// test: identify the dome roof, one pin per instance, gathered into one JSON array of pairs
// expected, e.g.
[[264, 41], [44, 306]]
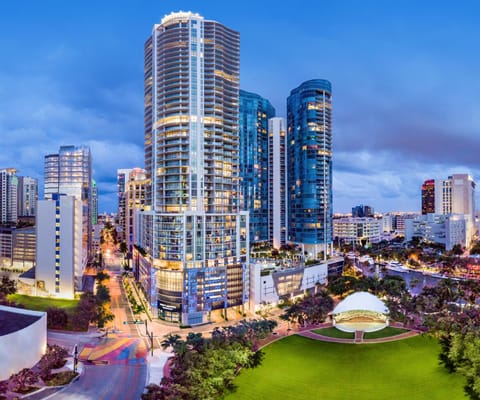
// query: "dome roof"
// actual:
[[361, 301]]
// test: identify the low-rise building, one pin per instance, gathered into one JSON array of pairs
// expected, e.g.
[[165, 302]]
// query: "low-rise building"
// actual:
[[446, 229], [359, 231], [271, 283]]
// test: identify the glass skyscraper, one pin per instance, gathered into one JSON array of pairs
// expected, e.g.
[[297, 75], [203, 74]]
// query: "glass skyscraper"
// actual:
[[309, 139], [255, 112], [193, 230]]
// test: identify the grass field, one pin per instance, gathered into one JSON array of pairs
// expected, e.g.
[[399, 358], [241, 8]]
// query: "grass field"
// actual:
[[334, 332], [298, 368], [42, 303], [386, 332]]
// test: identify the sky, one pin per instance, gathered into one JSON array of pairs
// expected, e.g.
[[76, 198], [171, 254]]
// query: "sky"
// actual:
[[405, 77]]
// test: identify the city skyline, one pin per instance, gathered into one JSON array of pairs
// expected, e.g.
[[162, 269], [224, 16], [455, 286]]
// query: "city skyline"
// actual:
[[401, 115]]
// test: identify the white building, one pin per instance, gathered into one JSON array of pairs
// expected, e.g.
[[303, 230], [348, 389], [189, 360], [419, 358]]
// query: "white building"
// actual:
[[269, 282], [456, 195], [23, 339], [359, 231], [59, 246], [277, 182], [444, 229]]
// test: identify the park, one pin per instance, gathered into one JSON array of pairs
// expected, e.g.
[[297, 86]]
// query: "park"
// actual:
[[304, 369]]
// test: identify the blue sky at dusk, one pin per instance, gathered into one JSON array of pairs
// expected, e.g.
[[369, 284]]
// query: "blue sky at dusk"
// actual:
[[405, 78]]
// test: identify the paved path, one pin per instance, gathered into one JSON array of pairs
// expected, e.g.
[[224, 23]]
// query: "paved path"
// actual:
[[359, 338]]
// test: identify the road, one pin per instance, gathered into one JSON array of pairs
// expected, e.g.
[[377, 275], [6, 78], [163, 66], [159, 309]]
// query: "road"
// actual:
[[121, 354]]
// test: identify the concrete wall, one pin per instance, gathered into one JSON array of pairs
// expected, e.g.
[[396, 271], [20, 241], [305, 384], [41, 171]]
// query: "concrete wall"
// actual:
[[23, 348]]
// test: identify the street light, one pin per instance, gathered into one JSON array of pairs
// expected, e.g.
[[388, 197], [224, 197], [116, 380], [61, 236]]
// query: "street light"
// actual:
[[75, 359]]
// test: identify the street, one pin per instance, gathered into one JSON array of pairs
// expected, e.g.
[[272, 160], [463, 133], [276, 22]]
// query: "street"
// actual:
[[114, 363]]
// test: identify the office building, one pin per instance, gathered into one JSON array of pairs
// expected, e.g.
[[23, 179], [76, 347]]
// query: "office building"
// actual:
[[8, 195], [255, 111], [277, 182], [69, 172], [309, 138], [27, 196], [428, 196], [194, 234], [362, 211], [59, 234]]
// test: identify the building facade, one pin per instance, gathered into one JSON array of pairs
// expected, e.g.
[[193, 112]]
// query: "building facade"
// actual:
[[309, 138], [135, 195], [362, 211], [277, 182], [27, 195], [428, 196], [70, 172], [8, 196], [358, 231], [193, 230], [59, 267], [446, 229], [122, 179], [255, 111]]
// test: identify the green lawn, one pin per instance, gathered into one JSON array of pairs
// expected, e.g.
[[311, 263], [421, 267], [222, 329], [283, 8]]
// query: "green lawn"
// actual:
[[42, 303], [298, 368], [386, 332], [334, 332]]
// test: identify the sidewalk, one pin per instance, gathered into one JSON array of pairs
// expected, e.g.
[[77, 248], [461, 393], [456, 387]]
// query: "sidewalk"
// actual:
[[156, 365]]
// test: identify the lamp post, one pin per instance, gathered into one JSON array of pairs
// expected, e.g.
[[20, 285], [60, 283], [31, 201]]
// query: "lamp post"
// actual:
[[75, 359]]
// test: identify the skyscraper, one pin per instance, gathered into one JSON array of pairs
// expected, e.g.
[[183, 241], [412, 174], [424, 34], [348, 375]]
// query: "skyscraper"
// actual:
[[428, 197], [94, 202], [194, 233], [277, 182], [309, 120], [122, 178], [27, 195], [255, 112], [70, 172], [8, 195]]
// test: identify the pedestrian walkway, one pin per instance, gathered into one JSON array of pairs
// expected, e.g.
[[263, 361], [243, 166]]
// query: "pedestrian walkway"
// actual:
[[358, 339]]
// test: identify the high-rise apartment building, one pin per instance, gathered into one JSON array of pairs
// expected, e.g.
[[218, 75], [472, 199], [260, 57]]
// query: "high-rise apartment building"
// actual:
[[277, 182], [70, 172], [8, 195], [27, 196], [309, 134], [135, 193], [59, 265], [94, 202], [456, 194], [193, 232], [428, 197], [255, 111], [122, 179]]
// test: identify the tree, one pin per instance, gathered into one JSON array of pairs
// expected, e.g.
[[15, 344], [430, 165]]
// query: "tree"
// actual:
[[312, 309], [86, 311], [57, 318], [101, 277], [7, 287]]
